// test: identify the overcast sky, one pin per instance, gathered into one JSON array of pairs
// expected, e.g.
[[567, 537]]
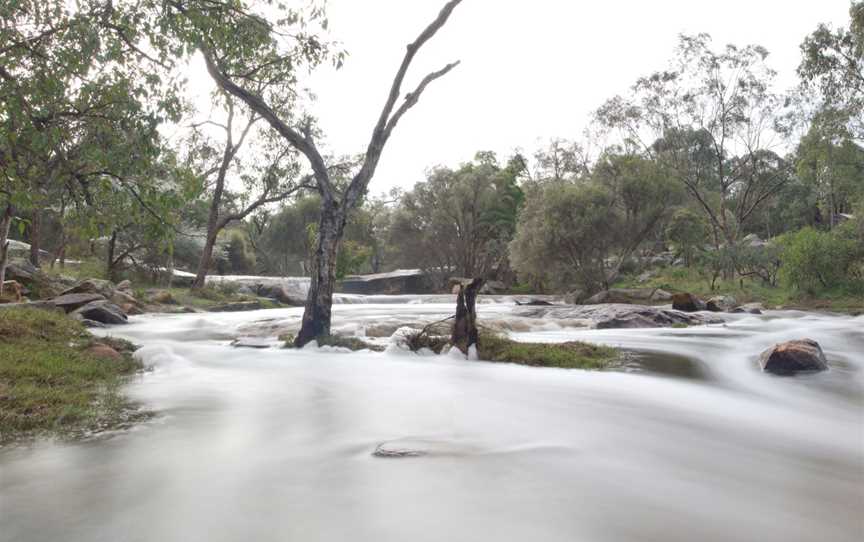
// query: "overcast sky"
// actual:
[[530, 71]]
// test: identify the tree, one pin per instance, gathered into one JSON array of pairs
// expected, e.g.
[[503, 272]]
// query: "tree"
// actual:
[[459, 221], [74, 101], [238, 47], [832, 68], [687, 233], [269, 177], [710, 121]]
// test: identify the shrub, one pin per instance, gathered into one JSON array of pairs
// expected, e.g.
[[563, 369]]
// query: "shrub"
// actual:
[[814, 260]]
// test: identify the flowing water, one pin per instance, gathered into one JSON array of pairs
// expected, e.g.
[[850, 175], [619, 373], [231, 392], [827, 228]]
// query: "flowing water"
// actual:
[[687, 441]]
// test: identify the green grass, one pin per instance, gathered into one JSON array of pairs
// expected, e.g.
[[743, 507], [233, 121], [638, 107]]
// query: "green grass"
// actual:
[[50, 385], [569, 355], [749, 290]]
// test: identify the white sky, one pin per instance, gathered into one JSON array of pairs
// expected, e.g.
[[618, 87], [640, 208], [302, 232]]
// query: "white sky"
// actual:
[[530, 71]]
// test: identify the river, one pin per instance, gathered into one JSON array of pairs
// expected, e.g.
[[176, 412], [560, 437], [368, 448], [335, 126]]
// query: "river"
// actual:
[[688, 442]]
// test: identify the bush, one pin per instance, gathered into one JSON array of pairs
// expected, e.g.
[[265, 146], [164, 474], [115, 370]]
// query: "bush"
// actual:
[[814, 260]]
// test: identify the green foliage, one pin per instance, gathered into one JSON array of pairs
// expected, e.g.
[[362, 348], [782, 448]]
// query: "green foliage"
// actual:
[[49, 384], [569, 355], [687, 233], [814, 260]]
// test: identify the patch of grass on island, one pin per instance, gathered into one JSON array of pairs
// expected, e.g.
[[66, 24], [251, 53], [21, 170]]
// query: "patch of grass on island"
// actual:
[[50, 384], [569, 355]]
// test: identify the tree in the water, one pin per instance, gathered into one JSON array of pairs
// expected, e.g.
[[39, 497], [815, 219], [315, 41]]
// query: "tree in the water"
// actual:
[[242, 49]]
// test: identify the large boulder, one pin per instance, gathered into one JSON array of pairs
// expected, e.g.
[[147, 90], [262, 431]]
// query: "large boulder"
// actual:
[[617, 315], [101, 311], [160, 297], [721, 303], [687, 302], [281, 294], [124, 286], [629, 296], [70, 302], [399, 282], [92, 286], [793, 357]]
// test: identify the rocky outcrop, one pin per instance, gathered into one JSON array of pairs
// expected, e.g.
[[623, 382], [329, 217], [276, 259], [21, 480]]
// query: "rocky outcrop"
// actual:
[[721, 303], [748, 308], [618, 315], [687, 302], [92, 286], [101, 311], [630, 295], [793, 357], [280, 294], [401, 281], [70, 302]]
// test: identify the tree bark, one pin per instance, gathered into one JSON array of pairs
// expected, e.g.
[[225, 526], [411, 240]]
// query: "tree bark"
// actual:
[[109, 260], [5, 224], [319, 301], [465, 325], [35, 234]]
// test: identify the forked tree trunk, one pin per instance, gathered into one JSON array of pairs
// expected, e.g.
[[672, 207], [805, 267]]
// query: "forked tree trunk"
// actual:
[[465, 324], [5, 223], [316, 316]]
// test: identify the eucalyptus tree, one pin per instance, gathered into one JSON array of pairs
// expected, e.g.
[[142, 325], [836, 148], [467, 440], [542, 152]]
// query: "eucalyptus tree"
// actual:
[[832, 68], [74, 93], [269, 176], [243, 48], [710, 120]]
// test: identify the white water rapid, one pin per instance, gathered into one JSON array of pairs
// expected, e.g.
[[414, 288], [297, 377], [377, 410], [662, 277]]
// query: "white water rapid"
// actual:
[[689, 442]]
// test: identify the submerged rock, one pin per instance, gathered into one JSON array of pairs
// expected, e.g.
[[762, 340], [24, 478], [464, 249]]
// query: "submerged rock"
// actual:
[[793, 357], [619, 315], [749, 308], [250, 342], [237, 307]]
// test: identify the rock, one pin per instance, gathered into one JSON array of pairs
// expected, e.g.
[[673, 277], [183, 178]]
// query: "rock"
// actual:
[[124, 286], [533, 303], [119, 297], [70, 302], [687, 302], [793, 357], [13, 292], [237, 307], [251, 342], [130, 309], [281, 294], [90, 323], [387, 449], [22, 272], [721, 303], [160, 297], [619, 315], [596, 299], [103, 351], [661, 296], [749, 308], [401, 281], [628, 295], [101, 311], [92, 286], [574, 298]]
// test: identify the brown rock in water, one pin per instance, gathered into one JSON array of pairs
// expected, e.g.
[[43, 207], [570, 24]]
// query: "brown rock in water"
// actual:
[[793, 357], [104, 352], [721, 303], [687, 302]]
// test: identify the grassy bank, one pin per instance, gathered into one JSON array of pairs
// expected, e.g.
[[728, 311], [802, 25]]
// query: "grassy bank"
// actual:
[[51, 383], [569, 355], [750, 290]]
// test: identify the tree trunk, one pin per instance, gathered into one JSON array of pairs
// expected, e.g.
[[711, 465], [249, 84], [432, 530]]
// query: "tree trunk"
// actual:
[[35, 234], [206, 259], [465, 325], [5, 223], [316, 315], [109, 261]]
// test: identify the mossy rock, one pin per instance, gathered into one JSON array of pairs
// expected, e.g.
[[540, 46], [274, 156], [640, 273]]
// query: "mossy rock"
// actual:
[[568, 355]]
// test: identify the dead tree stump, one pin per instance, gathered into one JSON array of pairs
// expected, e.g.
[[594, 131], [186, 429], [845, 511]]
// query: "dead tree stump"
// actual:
[[465, 325]]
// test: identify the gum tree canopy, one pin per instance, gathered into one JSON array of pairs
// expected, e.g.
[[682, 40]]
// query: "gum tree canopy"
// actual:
[[253, 56]]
